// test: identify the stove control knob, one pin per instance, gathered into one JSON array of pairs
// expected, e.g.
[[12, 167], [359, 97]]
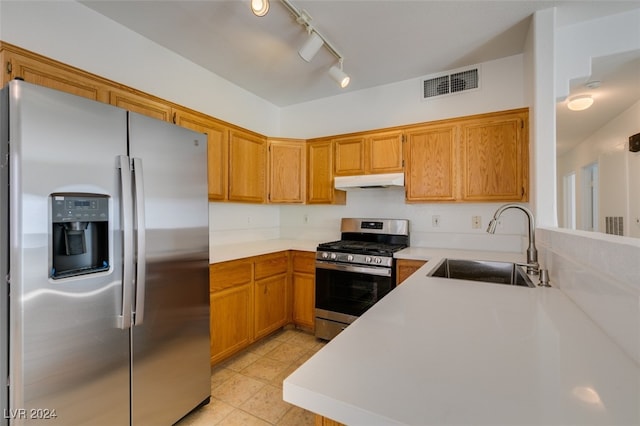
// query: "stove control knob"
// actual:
[[325, 255], [368, 259], [350, 258], [334, 256], [378, 260]]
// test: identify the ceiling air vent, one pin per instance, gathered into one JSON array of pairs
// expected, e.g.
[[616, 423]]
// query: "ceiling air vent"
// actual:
[[451, 82]]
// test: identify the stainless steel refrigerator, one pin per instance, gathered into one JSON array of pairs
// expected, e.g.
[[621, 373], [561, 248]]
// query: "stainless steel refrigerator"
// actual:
[[103, 263]]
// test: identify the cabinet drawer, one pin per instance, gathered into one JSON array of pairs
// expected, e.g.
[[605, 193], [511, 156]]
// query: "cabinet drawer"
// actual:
[[304, 262], [229, 274], [269, 265]]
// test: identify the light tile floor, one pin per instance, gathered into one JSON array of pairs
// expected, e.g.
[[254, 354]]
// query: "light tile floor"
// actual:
[[247, 389]]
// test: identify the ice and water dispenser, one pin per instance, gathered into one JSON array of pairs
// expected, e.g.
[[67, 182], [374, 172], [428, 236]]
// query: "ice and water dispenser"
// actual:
[[80, 234]]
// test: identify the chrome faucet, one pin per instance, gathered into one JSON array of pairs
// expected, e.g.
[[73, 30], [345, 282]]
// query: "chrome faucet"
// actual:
[[532, 253]]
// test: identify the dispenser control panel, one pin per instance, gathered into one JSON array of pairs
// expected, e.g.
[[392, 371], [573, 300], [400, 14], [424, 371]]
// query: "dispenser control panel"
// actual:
[[66, 208]]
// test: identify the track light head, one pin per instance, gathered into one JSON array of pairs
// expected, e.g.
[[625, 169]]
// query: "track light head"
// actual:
[[311, 46], [260, 7], [339, 75]]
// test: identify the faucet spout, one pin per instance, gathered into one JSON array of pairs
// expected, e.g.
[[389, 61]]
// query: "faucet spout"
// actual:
[[532, 253]]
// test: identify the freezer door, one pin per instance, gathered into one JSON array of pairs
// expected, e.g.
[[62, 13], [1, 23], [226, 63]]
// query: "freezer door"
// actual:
[[68, 357], [171, 370]]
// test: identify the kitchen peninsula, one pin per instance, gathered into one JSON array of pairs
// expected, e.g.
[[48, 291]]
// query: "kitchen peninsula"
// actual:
[[439, 351]]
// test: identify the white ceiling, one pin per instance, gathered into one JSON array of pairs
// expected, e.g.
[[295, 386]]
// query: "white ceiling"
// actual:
[[382, 41]]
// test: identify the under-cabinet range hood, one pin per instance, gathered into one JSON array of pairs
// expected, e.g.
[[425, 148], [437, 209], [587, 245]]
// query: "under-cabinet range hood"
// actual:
[[369, 181]]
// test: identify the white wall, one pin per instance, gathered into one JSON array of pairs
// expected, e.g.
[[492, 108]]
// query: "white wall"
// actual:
[[76, 35], [400, 103]]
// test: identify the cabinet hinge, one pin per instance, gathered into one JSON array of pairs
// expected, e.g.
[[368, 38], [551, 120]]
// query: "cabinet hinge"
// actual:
[[404, 138], [9, 67]]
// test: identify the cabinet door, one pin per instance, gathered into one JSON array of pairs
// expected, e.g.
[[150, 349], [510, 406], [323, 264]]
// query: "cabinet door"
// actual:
[[430, 155], [247, 167], [270, 304], [142, 104], [304, 288], [350, 156], [384, 153], [304, 299], [217, 152], [495, 158], [231, 321], [406, 267], [287, 167], [53, 75], [320, 188]]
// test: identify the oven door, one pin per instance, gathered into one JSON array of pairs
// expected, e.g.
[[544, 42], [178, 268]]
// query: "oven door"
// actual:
[[344, 292]]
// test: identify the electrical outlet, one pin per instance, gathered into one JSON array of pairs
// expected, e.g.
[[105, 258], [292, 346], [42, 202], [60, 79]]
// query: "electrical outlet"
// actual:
[[476, 222], [435, 221]]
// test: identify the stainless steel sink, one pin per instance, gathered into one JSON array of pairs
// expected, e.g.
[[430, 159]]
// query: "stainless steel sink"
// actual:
[[481, 270]]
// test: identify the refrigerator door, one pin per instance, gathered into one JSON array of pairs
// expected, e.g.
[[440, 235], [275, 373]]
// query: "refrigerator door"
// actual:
[[68, 357], [171, 370], [4, 250]]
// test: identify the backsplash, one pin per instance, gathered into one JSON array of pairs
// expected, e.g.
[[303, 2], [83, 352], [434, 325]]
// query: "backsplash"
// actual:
[[439, 225], [601, 274]]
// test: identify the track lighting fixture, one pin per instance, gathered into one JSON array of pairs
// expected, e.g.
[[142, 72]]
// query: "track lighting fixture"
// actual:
[[259, 7], [315, 42], [311, 47], [339, 75]]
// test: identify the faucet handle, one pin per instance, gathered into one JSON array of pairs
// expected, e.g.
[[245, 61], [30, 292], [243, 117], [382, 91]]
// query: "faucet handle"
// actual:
[[544, 278]]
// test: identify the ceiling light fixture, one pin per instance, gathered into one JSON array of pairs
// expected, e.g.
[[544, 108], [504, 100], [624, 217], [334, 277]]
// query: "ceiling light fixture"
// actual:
[[339, 75], [311, 47], [259, 7], [315, 42], [580, 102]]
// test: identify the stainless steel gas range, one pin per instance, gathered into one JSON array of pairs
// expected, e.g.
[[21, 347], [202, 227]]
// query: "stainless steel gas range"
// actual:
[[355, 272]]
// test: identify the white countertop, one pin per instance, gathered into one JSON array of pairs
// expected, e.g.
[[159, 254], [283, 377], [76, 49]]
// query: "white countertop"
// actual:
[[222, 253], [437, 351]]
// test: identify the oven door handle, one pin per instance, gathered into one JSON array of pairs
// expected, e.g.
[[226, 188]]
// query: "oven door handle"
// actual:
[[382, 272]]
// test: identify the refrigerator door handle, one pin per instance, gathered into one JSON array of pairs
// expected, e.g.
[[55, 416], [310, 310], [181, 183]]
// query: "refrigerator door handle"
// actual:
[[140, 241], [124, 320]]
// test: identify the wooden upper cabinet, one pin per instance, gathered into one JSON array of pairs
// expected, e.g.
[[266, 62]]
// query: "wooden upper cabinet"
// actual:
[[349, 156], [142, 104], [495, 157], [287, 170], [320, 189], [369, 153], [217, 149], [247, 167], [431, 156], [384, 152], [54, 75]]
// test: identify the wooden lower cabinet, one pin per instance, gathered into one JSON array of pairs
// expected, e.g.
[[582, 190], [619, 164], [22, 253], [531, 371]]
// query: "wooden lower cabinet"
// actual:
[[406, 267], [270, 296], [324, 421], [231, 315], [231, 298], [304, 289], [250, 298]]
